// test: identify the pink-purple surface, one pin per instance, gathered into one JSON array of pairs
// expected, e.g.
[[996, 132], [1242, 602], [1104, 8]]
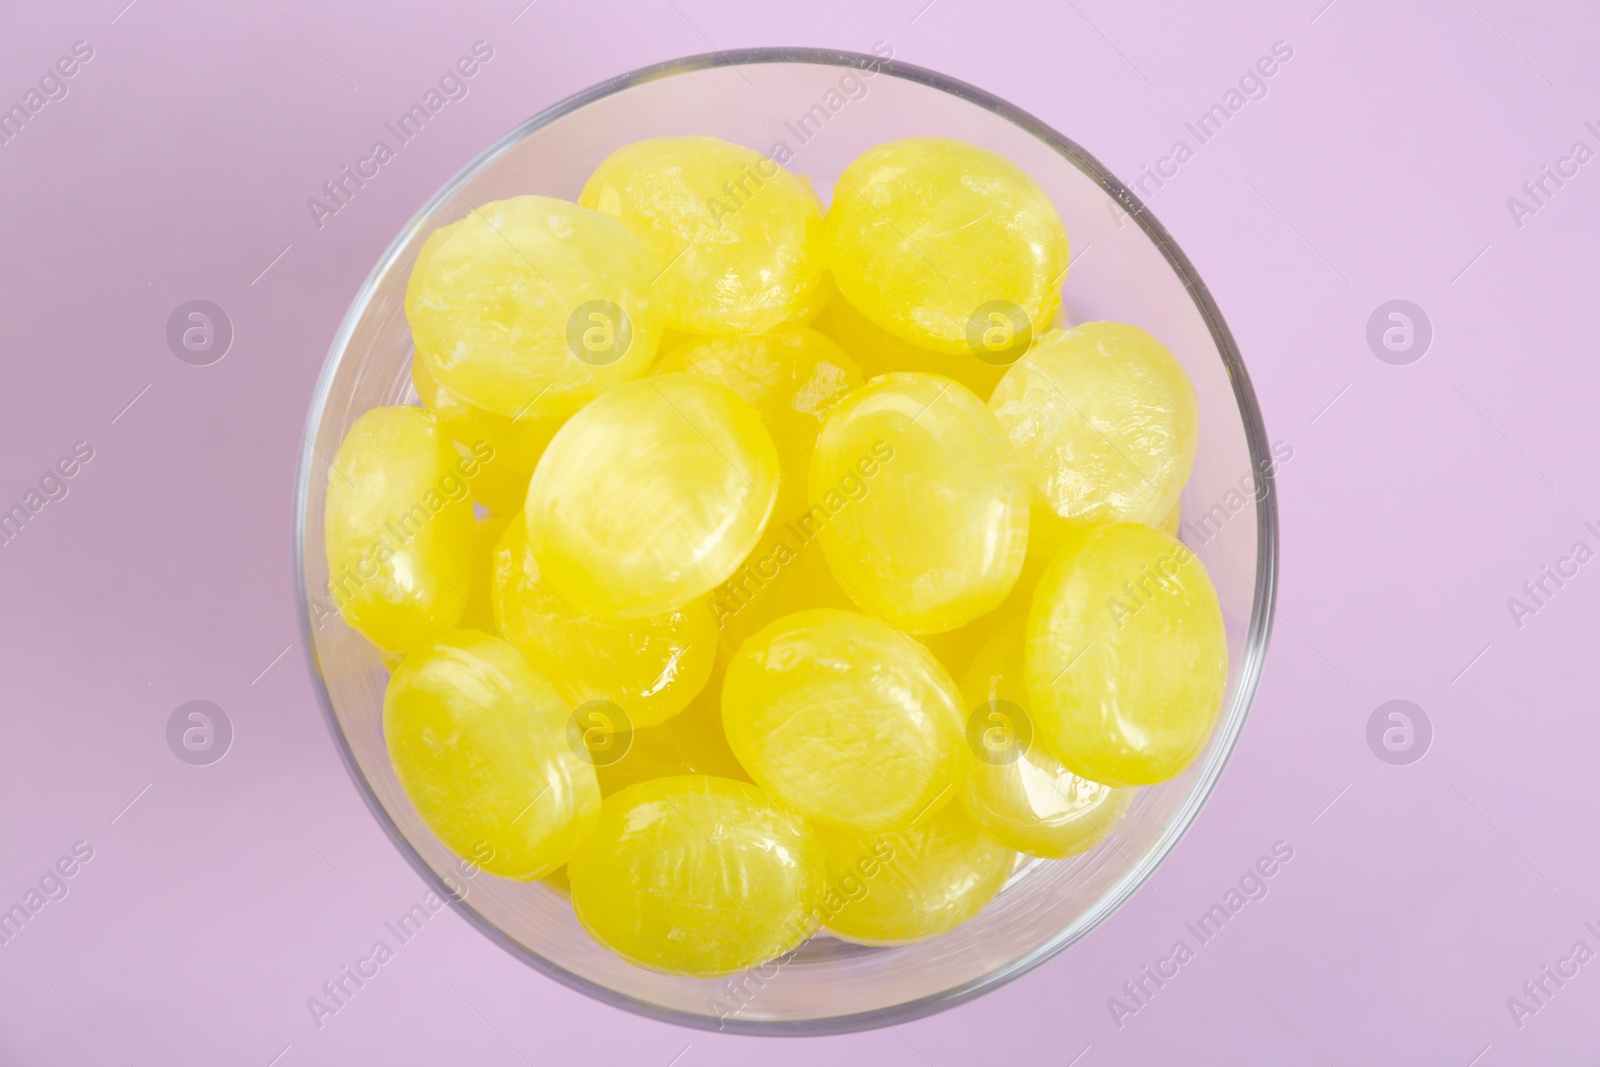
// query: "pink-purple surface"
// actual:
[[1421, 496]]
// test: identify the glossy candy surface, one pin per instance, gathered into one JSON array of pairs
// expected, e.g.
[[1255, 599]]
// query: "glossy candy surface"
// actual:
[[651, 496], [737, 240], [792, 375], [398, 529], [845, 719], [917, 882], [530, 307], [930, 236], [478, 741], [1127, 657], [650, 667], [923, 506], [696, 875], [1106, 423], [1020, 794]]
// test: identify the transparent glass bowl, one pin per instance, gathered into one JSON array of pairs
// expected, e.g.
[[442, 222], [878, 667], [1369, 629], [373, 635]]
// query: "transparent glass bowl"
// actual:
[[824, 108]]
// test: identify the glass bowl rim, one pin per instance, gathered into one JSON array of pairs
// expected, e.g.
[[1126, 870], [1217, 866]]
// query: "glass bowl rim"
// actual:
[[1257, 633]]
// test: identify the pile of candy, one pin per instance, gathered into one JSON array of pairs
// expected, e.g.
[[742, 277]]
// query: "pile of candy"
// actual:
[[752, 569]]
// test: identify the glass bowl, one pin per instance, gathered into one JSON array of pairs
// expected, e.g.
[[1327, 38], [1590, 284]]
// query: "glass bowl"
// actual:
[[815, 111]]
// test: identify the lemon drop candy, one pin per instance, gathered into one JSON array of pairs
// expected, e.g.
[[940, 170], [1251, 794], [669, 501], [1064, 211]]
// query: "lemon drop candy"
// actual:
[[478, 741], [651, 496], [1015, 790], [1126, 656], [736, 239], [922, 881], [793, 375], [940, 242], [921, 505], [1106, 423], [398, 529], [696, 876], [845, 719], [529, 308], [650, 667]]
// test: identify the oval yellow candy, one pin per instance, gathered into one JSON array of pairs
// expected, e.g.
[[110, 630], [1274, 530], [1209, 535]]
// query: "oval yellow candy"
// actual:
[[844, 719], [398, 529], [737, 240], [1127, 655], [478, 741], [651, 496], [530, 307], [696, 876], [1106, 423], [920, 503], [943, 244]]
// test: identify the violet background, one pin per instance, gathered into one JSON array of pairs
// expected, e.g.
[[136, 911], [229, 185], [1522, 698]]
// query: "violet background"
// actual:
[[1418, 500]]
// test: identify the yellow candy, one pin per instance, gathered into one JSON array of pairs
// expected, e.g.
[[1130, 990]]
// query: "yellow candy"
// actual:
[[918, 882], [921, 504], [1106, 423], [514, 445], [1127, 657], [1020, 794], [480, 596], [691, 742], [478, 741], [530, 307], [844, 719], [880, 352], [793, 376], [650, 667], [697, 876], [737, 239], [651, 496], [398, 529], [943, 243]]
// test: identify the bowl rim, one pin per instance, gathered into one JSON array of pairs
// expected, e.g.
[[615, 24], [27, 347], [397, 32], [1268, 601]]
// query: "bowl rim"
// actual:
[[1257, 633]]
